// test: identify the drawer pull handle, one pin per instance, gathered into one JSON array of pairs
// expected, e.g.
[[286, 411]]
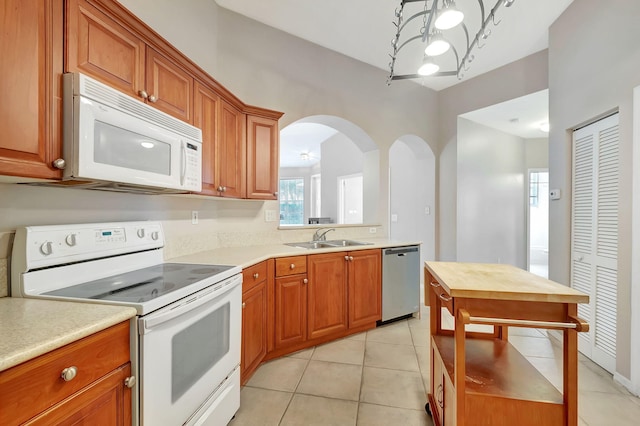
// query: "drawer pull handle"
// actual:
[[435, 285], [439, 396], [255, 276], [130, 381], [69, 373], [292, 266], [444, 297]]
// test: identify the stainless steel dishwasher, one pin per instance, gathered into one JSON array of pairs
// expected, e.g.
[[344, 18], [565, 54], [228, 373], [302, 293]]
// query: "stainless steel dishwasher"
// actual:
[[400, 282]]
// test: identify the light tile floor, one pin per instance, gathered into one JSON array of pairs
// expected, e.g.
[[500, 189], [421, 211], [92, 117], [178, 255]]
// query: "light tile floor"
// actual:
[[380, 377]]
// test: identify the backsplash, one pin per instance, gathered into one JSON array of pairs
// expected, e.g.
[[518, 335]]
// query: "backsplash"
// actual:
[[222, 223]]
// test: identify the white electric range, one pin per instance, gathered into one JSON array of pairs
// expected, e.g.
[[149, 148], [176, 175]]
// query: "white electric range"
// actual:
[[185, 341]]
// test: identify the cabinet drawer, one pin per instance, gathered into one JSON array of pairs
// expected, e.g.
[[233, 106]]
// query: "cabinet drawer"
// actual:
[[253, 275], [291, 265], [36, 385]]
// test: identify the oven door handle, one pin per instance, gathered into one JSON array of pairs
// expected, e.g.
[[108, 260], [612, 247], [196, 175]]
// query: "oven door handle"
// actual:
[[192, 302]]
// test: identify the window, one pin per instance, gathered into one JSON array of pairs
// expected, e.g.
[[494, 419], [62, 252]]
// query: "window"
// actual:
[[292, 201]]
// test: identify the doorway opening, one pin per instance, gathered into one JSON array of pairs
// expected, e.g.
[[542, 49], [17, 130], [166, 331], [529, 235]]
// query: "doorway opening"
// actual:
[[350, 198], [538, 214]]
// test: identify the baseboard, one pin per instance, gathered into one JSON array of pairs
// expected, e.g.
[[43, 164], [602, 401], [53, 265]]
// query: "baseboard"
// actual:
[[619, 378]]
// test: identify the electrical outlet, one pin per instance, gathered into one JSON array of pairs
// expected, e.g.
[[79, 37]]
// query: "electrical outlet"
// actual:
[[427, 210], [394, 217], [269, 215], [373, 230], [194, 217]]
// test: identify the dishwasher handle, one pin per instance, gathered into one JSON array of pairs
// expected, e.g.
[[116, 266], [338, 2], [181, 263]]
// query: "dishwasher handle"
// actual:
[[400, 251]]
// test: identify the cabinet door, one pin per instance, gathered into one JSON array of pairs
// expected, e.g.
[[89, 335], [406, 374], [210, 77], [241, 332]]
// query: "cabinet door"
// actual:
[[98, 46], [327, 294], [365, 287], [231, 155], [104, 402], [169, 87], [291, 310], [205, 117], [254, 328], [262, 158], [31, 64]]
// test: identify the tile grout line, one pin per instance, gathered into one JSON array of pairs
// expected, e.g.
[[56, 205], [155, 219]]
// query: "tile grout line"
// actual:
[[295, 390]]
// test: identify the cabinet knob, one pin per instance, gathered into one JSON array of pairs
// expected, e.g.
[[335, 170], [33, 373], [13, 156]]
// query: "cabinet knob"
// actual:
[[130, 381], [292, 266], [275, 194], [305, 281], [244, 305], [351, 258], [255, 276], [346, 258], [143, 94], [59, 163], [224, 189], [152, 98], [69, 373]]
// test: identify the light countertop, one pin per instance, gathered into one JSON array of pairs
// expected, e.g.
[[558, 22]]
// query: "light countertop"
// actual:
[[248, 256], [32, 327], [500, 282]]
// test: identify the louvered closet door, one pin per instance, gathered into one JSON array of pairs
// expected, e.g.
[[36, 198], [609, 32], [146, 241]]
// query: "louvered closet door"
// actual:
[[594, 237]]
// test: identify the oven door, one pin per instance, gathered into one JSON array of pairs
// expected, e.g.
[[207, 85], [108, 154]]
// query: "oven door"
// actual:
[[187, 349]]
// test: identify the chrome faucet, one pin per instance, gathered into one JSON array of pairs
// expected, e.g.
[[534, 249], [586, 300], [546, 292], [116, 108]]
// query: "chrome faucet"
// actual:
[[321, 236]]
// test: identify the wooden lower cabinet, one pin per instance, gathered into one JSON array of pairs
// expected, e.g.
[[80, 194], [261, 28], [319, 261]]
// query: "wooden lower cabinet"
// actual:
[[326, 294], [254, 318], [365, 287], [34, 392], [322, 297]]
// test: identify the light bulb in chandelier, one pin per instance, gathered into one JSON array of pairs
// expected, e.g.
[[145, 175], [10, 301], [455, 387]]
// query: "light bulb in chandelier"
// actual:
[[437, 45], [448, 16], [428, 67]]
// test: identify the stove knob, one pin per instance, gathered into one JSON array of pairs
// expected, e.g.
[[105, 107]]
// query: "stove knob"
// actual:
[[140, 233], [154, 235], [46, 248], [70, 240]]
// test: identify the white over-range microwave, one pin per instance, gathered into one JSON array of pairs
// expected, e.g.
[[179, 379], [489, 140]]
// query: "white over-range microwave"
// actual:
[[115, 142]]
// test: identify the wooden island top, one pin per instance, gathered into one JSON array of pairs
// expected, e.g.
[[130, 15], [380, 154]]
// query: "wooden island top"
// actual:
[[500, 282]]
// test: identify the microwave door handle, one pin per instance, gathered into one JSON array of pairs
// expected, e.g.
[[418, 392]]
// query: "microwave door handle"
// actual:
[[183, 172], [147, 324]]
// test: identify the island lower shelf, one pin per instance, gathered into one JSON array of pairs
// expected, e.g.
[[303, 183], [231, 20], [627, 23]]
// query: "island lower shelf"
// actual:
[[501, 386]]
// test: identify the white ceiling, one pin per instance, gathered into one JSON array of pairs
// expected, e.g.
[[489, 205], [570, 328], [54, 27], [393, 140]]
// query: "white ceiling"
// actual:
[[363, 29], [521, 116], [303, 138]]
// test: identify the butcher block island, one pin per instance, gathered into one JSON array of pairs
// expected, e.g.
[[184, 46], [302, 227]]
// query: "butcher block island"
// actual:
[[478, 378]]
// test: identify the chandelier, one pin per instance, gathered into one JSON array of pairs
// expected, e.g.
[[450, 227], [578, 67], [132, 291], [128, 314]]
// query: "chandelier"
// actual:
[[437, 27]]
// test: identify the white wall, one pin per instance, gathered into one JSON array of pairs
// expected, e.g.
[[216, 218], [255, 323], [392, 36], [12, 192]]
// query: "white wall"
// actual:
[[491, 197], [340, 157], [264, 67], [523, 77], [594, 64], [412, 190]]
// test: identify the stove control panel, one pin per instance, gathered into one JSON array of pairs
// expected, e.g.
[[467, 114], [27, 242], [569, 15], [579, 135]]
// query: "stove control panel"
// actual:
[[42, 246]]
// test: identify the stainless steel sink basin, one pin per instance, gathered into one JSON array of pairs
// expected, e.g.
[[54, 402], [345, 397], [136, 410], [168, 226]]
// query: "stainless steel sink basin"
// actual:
[[346, 243], [327, 244], [311, 244]]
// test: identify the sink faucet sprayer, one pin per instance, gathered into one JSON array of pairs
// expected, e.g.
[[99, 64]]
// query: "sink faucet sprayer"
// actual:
[[321, 236]]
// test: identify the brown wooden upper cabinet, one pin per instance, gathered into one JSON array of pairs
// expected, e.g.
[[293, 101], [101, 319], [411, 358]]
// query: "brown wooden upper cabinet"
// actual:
[[100, 46], [262, 158], [30, 117]]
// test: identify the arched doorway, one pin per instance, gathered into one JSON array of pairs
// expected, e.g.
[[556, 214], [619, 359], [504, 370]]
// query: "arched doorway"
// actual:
[[412, 193]]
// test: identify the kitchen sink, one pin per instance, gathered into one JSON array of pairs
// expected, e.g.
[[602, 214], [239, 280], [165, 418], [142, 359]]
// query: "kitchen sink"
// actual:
[[327, 244]]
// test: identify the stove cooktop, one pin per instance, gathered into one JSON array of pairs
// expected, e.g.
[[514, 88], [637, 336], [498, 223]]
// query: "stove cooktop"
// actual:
[[142, 285]]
